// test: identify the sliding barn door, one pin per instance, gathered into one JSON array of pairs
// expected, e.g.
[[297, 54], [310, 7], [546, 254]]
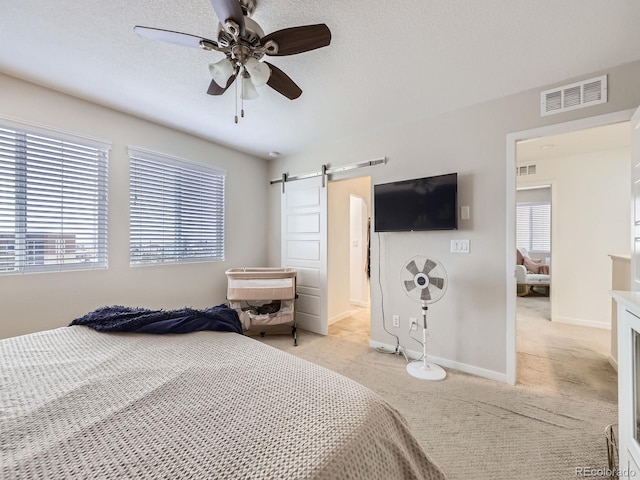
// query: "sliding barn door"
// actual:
[[304, 247]]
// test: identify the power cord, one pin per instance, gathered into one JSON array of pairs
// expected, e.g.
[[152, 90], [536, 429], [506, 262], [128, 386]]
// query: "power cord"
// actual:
[[418, 341], [384, 326]]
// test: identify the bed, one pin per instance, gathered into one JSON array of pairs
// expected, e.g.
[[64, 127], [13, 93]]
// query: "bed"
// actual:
[[77, 403]]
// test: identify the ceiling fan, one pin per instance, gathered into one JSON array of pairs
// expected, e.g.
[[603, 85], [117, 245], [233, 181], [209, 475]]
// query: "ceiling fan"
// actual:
[[244, 44]]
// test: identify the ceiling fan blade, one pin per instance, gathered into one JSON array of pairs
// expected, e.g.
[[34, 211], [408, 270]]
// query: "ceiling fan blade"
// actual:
[[299, 39], [215, 89], [177, 38], [229, 10], [281, 83], [437, 282]]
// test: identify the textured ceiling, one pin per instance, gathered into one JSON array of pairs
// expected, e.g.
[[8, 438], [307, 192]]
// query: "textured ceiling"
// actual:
[[388, 63]]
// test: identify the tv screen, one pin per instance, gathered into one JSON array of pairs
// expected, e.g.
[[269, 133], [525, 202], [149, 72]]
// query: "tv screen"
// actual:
[[428, 203]]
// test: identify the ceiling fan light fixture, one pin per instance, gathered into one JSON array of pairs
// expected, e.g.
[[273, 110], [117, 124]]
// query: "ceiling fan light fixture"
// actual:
[[243, 43], [221, 71], [258, 72], [249, 91]]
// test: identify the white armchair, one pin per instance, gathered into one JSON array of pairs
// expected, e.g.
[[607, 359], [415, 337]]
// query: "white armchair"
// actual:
[[526, 280]]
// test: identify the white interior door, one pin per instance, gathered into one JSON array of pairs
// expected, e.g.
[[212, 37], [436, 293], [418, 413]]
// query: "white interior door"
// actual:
[[635, 192], [304, 247]]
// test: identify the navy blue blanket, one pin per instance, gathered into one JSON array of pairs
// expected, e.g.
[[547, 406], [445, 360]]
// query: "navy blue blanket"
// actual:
[[141, 320]]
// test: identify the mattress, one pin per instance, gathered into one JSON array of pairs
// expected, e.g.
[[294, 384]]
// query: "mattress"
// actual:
[[76, 403]]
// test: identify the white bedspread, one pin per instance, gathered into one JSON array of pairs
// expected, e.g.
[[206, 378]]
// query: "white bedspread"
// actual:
[[75, 403]]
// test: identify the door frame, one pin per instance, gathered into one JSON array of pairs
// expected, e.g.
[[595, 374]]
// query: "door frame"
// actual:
[[512, 139]]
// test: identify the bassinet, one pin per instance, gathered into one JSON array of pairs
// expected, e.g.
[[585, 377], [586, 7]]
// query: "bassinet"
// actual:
[[263, 298]]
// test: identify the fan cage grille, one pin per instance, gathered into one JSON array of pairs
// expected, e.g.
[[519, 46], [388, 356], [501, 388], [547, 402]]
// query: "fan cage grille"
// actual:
[[424, 279]]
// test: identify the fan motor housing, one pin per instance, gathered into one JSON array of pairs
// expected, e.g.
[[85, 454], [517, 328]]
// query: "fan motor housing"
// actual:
[[421, 280], [252, 34]]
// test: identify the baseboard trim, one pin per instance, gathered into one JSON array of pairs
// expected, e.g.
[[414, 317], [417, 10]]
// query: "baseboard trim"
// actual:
[[340, 316], [582, 323], [359, 303], [443, 362], [613, 363]]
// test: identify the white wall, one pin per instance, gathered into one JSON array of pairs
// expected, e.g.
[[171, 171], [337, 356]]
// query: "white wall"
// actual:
[[590, 219], [468, 326], [32, 302], [339, 241]]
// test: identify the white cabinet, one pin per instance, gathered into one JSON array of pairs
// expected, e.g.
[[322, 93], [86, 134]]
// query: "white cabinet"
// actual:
[[628, 382], [620, 280]]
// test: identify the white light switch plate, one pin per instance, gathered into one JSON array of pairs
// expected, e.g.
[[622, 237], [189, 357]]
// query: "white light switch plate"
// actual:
[[459, 246]]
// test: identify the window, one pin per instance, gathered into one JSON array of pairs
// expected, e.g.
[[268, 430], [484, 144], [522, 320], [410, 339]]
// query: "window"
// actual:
[[176, 210], [533, 227], [53, 201]]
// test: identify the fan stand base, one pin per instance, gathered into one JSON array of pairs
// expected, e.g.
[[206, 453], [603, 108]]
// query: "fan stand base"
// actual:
[[428, 371]]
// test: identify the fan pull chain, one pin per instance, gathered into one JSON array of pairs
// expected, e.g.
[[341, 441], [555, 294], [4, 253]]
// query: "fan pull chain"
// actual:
[[236, 87], [244, 72]]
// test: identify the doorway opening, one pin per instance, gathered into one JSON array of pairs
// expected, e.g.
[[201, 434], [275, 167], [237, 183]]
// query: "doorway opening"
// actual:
[[349, 213], [566, 337]]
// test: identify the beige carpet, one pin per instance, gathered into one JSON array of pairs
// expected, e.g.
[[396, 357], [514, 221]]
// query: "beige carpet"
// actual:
[[475, 428], [560, 357]]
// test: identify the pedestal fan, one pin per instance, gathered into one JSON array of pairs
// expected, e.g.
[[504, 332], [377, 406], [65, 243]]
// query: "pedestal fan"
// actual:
[[424, 280]]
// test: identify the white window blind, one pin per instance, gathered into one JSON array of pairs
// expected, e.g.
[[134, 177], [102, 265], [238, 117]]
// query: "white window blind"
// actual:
[[176, 210], [53, 201], [533, 227]]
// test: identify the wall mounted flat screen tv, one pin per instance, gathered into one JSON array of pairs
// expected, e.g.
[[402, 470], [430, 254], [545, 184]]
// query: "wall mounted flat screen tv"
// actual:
[[429, 203]]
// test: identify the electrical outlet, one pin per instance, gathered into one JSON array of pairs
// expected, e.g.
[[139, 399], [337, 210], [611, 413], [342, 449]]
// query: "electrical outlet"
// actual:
[[396, 321], [414, 323]]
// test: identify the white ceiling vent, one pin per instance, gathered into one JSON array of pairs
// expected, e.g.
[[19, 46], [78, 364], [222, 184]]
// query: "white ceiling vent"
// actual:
[[577, 95]]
